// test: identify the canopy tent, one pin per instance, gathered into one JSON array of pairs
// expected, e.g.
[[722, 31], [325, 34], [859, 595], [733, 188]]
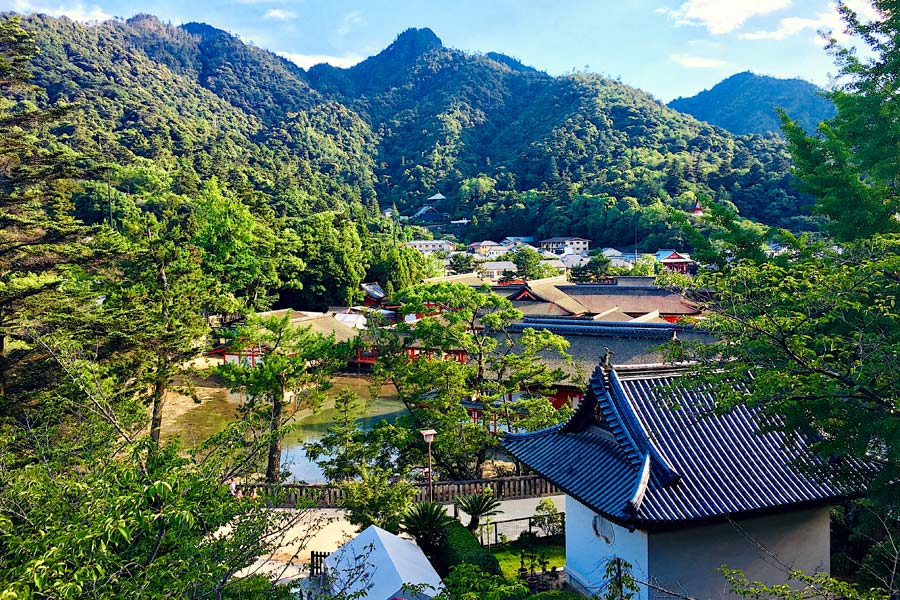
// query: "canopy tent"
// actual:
[[377, 565]]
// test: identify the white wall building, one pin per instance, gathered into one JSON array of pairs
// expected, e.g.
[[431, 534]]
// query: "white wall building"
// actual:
[[679, 492]]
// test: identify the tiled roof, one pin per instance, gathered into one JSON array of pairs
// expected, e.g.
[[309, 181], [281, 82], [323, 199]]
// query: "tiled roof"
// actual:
[[639, 300], [373, 290], [702, 466]]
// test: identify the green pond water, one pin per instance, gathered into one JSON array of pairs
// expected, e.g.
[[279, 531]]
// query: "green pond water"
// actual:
[[216, 411]]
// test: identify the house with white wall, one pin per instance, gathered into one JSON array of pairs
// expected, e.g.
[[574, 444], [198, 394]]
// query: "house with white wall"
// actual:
[[654, 476], [427, 247]]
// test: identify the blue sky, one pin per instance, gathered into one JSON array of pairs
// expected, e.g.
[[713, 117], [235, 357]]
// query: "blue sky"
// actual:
[[669, 48]]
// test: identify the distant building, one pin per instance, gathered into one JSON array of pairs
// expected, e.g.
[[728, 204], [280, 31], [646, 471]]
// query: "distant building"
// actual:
[[429, 246], [428, 214], [496, 269], [436, 197], [675, 261], [565, 245], [698, 209], [374, 294], [512, 240], [482, 248]]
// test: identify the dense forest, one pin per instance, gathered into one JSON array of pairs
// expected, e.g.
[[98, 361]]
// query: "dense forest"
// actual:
[[157, 107], [746, 103]]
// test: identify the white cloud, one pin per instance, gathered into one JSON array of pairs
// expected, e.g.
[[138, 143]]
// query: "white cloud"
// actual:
[[76, 11], [786, 28], [697, 62], [305, 61], [348, 22], [280, 14], [722, 16], [828, 21]]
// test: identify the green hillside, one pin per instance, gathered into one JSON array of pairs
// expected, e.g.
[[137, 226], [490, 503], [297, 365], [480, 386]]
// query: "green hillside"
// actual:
[[745, 103], [519, 150]]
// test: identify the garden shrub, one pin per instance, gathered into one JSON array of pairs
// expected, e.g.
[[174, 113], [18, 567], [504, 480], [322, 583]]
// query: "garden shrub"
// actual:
[[461, 547]]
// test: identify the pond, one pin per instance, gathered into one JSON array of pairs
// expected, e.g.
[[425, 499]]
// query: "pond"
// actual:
[[194, 422]]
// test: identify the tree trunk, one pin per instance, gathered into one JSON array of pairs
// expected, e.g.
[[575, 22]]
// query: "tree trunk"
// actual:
[[159, 400], [273, 467]]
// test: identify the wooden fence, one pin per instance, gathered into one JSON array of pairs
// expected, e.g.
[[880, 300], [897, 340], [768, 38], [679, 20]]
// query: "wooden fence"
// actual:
[[316, 561], [289, 495]]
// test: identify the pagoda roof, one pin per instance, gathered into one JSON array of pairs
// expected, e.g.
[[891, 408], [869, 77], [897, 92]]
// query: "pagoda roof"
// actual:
[[648, 450]]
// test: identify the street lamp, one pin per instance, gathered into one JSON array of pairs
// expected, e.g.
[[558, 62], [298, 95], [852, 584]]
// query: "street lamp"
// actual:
[[428, 436]]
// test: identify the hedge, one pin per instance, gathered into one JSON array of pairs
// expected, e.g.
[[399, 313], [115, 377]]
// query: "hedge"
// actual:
[[460, 546]]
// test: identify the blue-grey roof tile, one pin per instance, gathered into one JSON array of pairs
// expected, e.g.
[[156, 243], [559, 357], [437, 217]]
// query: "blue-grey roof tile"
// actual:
[[703, 465]]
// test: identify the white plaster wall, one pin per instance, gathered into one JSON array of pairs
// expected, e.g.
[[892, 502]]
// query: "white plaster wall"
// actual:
[[587, 554], [687, 560]]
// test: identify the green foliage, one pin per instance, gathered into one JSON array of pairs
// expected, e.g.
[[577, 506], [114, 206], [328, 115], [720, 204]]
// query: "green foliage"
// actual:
[[597, 268], [801, 587], [746, 103], [548, 519], [376, 499], [470, 582], [528, 264], [477, 506], [496, 366], [295, 368], [556, 595], [426, 522], [462, 262], [461, 547]]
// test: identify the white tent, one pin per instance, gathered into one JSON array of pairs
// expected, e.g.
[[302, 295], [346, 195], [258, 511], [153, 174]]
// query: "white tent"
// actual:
[[379, 563]]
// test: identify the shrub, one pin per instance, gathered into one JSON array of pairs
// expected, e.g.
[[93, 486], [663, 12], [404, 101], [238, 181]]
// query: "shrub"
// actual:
[[556, 595], [461, 547], [479, 505], [549, 520], [427, 523]]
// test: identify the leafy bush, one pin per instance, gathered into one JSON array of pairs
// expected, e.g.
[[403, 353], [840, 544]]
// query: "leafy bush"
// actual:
[[461, 547], [483, 504], [427, 522], [556, 595], [548, 519]]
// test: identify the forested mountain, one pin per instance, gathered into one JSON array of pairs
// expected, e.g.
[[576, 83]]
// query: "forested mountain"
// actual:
[[745, 103], [166, 108]]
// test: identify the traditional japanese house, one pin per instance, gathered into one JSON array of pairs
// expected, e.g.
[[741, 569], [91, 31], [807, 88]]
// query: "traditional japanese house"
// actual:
[[656, 477]]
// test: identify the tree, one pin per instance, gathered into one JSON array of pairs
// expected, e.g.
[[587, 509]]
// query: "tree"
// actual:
[[850, 167], [529, 264], [238, 251], [346, 448], [160, 291], [296, 367], [597, 267], [38, 235], [329, 244], [489, 367], [462, 262], [376, 499], [644, 266], [426, 522], [813, 335], [479, 505]]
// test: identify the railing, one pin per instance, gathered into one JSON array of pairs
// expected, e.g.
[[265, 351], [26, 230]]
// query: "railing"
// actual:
[[289, 495], [316, 562]]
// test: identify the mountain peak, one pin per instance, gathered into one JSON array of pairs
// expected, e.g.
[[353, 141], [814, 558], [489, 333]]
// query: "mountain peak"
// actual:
[[204, 31], [414, 42]]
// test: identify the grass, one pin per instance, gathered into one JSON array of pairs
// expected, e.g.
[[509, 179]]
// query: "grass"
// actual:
[[508, 555]]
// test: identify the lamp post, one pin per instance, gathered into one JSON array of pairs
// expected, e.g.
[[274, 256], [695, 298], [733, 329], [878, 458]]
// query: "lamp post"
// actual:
[[428, 436]]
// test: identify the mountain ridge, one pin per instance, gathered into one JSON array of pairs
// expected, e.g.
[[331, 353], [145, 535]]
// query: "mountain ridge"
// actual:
[[745, 103], [515, 147]]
